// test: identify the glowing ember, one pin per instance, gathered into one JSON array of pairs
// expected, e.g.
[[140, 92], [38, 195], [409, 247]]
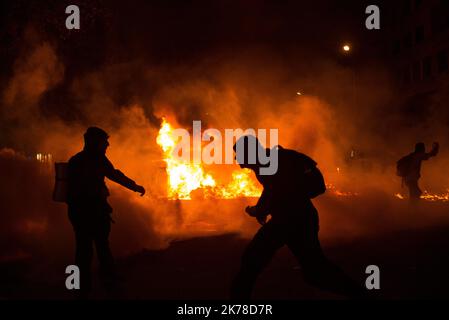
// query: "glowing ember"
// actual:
[[399, 196], [443, 197], [333, 189], [435, 197], [185, 177]]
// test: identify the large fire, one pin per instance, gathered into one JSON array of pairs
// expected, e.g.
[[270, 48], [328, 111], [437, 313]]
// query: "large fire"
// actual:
[[186, 177]]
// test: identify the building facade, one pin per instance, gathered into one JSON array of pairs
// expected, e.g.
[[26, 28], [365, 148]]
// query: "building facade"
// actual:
[[419, 36]]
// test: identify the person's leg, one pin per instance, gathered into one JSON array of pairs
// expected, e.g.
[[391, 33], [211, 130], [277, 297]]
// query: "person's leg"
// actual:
[[256, 257], [83, 259], [414, 190], [418, 191], [317, 269], [105, 258], [83, 249]]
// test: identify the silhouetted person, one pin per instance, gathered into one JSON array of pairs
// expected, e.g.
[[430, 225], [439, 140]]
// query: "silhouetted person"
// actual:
[[294, 222], [409, 168], [89, 211]]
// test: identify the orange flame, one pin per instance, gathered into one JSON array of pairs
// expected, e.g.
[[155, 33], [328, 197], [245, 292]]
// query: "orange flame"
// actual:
[[335, 191], [435, 197], [185, 177], [443, 197]]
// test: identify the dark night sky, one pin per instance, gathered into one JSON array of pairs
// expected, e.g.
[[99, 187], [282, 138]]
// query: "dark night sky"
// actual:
[[180, 30], [173, 33]]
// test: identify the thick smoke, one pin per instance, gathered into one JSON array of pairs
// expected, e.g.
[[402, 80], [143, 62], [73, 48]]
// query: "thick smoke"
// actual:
[[338, 112]]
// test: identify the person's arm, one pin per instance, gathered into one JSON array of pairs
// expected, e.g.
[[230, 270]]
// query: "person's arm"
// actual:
[[119, 177], [262, 209], [433, 152], [264, 203]]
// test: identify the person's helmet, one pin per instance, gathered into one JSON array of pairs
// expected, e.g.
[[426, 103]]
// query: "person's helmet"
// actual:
[[94, 134]]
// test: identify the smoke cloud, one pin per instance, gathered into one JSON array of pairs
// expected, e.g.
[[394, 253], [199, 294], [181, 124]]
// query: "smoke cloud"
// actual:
[[344, 119]]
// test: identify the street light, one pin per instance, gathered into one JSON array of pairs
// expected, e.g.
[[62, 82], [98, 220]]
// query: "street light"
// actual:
[[346, 47]]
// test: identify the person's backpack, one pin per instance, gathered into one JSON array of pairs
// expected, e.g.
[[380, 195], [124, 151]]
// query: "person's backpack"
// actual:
[[403, 165], [314, 181], [311, 179], [60, 189]]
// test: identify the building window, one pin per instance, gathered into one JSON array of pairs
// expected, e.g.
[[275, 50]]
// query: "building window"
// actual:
[[408, 42], [407, 7], [427, 68], [416, 72], [446, 9], [419, 34], [443, 64], [440, 17], [394, 17], [406, 76], [396, 46]]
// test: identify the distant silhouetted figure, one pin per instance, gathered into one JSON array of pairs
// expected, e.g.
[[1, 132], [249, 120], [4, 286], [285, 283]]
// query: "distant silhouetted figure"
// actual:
[[409, 168], [294, 222], [89, 211]]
